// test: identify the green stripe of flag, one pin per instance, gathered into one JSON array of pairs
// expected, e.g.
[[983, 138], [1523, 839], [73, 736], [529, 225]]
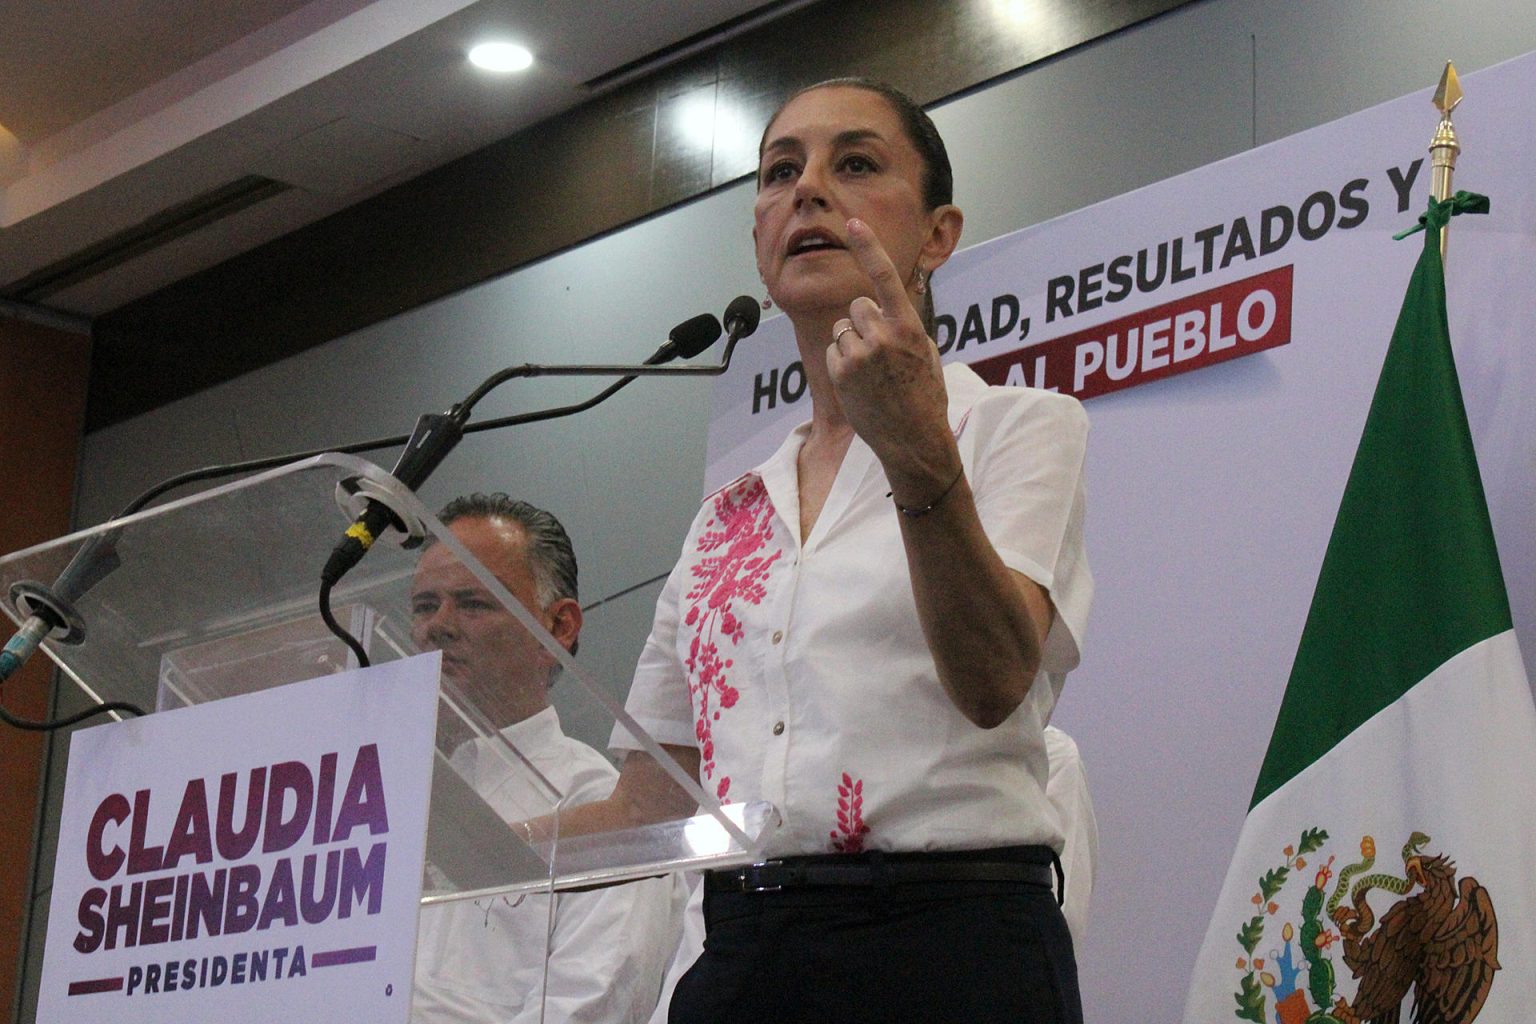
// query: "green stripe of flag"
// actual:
[[1411, 576]]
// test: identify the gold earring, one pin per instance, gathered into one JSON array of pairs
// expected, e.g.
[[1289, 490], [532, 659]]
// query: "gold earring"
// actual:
[[918, 280]]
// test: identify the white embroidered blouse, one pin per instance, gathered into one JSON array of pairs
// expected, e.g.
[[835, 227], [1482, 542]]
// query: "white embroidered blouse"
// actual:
[[800, 671]]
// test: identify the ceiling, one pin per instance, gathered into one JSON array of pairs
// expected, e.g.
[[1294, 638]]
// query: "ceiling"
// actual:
[[144, 140]]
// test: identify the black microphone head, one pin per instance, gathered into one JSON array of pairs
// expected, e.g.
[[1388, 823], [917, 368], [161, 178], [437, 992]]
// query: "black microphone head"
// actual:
[[694, 335], [742, 316]]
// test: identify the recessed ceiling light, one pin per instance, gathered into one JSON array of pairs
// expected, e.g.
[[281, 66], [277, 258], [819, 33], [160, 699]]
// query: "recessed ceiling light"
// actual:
[[501, 57]]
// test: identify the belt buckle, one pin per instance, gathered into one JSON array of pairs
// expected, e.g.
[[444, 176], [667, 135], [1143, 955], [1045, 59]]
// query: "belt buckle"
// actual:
[[750, 873]]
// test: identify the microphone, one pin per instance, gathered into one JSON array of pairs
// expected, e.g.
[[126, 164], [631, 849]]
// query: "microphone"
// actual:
[[691, 338], [437, 433], [434, 437], [50, 610], [742, 316], [688, 339]]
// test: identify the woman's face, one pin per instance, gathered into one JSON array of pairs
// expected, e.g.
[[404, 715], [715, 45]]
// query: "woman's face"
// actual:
[[832, 154]]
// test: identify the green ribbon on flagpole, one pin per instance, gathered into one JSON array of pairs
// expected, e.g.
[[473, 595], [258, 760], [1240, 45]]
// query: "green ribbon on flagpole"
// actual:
[[1442, 210]]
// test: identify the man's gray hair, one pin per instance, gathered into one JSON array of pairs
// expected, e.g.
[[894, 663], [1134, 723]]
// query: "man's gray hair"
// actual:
[[551, 558]]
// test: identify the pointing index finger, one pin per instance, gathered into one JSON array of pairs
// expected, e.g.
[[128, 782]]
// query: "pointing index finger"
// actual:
[[889, 291]]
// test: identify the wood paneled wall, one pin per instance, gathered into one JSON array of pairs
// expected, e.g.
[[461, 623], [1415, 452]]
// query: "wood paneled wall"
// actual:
[[43, 375]]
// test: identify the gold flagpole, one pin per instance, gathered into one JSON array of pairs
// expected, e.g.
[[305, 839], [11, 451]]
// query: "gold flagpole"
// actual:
[[1443, 148]]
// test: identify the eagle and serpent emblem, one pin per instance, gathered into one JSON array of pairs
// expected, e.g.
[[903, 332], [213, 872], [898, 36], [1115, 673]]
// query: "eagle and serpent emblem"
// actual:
[[1438, 944]]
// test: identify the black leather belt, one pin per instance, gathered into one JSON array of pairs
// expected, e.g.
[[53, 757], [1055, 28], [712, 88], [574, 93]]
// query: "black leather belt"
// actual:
[[774, 875]]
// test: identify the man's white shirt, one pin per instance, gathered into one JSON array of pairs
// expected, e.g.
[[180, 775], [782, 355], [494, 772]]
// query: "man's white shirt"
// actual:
[[483, 960]]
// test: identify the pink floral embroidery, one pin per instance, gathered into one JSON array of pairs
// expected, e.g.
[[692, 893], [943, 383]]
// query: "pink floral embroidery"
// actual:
[[849, 835], [731, 567]]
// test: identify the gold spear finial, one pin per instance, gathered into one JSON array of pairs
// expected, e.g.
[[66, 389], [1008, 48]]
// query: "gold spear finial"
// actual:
[[1443, 148], [1448, 94]]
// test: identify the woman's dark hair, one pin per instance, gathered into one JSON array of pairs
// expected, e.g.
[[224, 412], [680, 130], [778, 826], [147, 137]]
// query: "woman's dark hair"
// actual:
[[938, 176]]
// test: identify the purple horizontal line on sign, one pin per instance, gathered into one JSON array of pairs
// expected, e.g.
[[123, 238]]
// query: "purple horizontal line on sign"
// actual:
[[336, 957], [94, 985]]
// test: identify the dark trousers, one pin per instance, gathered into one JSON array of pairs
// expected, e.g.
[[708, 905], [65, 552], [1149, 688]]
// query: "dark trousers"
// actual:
[[948, 952]]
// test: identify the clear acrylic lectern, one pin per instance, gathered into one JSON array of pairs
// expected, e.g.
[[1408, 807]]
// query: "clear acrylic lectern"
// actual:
[[216, 595]]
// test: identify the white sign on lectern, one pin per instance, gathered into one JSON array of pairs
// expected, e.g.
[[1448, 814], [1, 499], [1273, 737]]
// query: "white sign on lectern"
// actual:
[[257, 858]]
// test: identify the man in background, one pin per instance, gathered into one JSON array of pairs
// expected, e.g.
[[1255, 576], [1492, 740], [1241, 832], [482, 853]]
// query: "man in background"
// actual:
[[482, 960]]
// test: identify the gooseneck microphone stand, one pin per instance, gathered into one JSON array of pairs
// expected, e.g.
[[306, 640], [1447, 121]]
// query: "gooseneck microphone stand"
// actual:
[[50, 610], [437, 433]]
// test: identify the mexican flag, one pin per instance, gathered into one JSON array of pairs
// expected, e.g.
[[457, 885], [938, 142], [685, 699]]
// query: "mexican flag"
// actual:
[[1387, 867]]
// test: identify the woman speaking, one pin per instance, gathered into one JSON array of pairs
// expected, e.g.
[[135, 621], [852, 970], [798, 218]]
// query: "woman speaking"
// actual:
[[871, 628]]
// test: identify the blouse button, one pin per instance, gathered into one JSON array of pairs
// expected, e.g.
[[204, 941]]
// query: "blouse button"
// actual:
[[778, 635], [778, 728]]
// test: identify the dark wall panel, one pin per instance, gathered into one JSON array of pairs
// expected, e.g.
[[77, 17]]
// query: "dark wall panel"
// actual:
[[616, 159]]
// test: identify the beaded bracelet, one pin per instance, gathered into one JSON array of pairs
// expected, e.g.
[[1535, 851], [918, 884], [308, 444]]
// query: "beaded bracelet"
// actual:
[[912, 512]]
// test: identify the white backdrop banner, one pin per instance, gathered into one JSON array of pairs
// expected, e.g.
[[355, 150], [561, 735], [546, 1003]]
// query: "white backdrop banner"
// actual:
[[1177, 277], [1226, 329], [257, 858]]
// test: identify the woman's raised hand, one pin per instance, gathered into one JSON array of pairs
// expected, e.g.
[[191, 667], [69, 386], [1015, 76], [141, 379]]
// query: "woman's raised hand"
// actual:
[[885, 370]]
